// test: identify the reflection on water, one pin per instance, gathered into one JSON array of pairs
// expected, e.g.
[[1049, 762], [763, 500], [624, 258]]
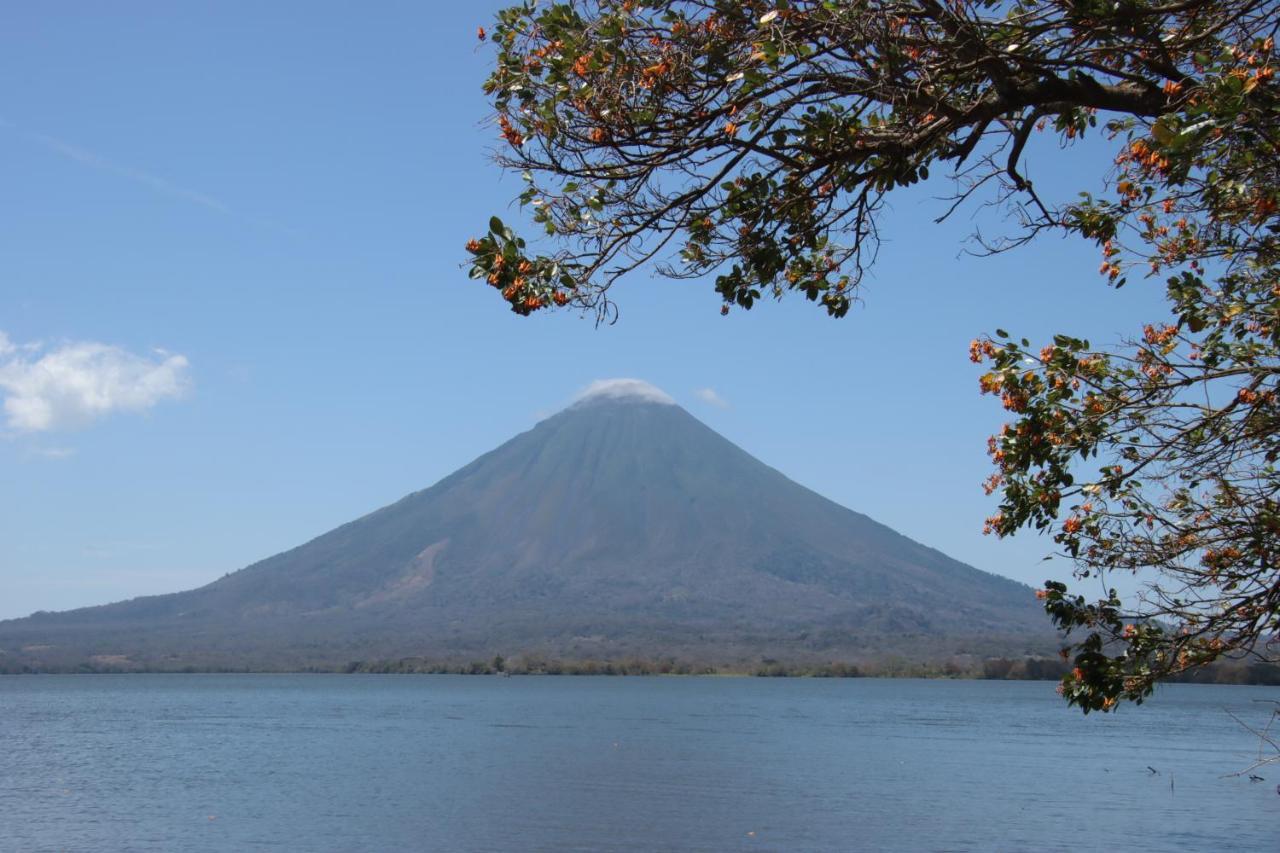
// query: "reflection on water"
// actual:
[[336, 763]]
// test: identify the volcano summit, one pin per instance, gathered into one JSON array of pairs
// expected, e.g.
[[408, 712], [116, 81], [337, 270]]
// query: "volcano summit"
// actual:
[[621, 526]]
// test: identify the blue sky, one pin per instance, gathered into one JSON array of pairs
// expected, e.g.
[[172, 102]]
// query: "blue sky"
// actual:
[[242, 226]]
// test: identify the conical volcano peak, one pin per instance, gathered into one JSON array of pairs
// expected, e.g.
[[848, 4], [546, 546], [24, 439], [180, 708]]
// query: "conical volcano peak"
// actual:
[[626, 390], [622, 527]]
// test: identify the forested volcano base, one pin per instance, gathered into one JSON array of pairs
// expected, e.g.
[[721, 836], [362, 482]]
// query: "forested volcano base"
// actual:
[[648, 649]]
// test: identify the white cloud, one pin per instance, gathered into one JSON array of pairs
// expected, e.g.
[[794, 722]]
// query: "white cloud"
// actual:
[[631, 388], [74, 384], [711, 398]]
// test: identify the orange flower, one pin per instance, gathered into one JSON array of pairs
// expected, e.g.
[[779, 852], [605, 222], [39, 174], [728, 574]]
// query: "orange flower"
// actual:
[[654, 72], [509, 133], [979, 349], [1014, 401], [480, 34], [473, 245], [1072, 525], [730, 128]]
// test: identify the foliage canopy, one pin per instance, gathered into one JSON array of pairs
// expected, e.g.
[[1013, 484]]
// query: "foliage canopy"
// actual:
[[756, 142]]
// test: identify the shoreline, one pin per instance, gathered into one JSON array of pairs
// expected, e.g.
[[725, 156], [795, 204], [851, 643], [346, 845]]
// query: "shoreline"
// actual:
[[999, 669]]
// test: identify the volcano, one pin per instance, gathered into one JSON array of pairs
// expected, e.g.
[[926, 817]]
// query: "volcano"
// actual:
[[621, 526]]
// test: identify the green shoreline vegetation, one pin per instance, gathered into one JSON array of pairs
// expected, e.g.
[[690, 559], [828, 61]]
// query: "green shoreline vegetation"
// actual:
[[960, 668]]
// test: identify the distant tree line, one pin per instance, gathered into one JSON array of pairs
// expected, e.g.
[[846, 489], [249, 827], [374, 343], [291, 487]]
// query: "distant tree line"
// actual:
[[1052, 669], [1027, 668], [533, 665]]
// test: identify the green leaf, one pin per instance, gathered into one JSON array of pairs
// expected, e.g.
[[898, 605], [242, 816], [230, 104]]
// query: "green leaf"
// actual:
[[1162, 132]]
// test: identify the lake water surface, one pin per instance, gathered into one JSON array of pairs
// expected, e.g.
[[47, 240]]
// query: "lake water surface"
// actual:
[[336, 763]]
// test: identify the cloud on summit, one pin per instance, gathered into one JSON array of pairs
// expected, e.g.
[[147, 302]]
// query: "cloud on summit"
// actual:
[[633, 388], [70, 385]]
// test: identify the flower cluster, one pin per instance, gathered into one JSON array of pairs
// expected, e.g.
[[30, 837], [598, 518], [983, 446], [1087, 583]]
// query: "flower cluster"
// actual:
[[527, 284]]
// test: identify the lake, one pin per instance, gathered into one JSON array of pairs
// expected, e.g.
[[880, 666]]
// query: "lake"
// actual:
[[337, 763]]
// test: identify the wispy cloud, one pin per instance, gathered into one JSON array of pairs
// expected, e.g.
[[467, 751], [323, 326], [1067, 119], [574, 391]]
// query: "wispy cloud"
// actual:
[[154, 182], [711, 398], [53, 452], [73, 384], [96, 161], [119, 547]]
